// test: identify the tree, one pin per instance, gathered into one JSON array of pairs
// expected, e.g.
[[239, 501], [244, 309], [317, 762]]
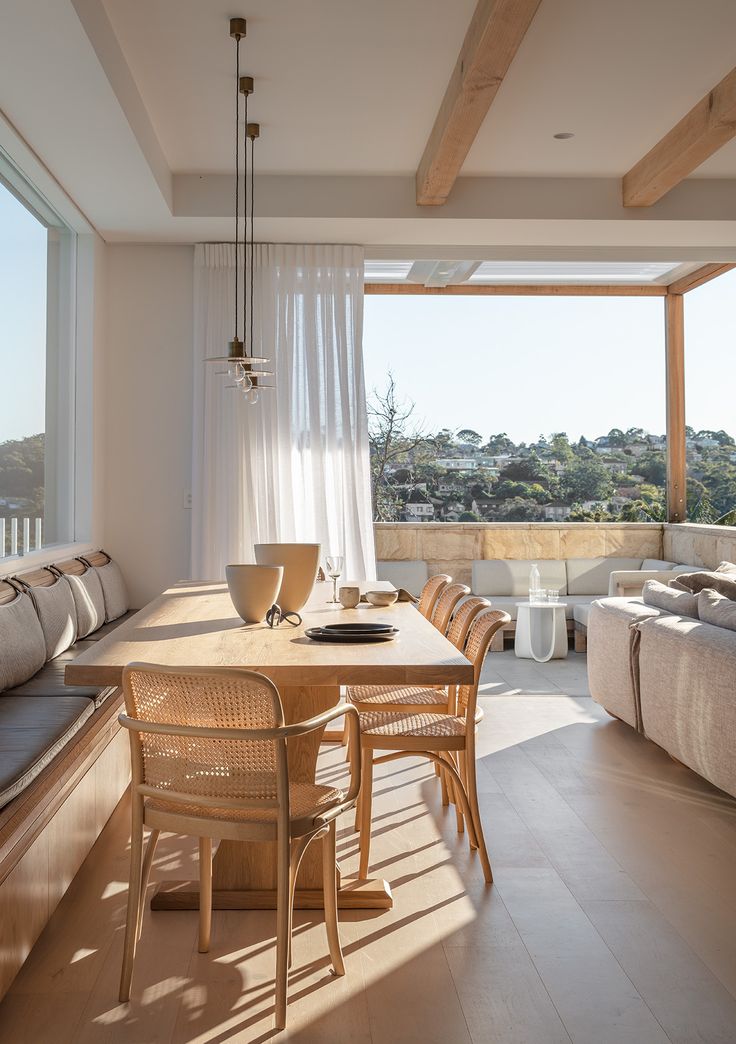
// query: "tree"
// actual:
[[586, 479], [528, 469], [498, 444], [469, 516], [560, 446], [469, 436], [616, 437], [653, 467], [393, 436]]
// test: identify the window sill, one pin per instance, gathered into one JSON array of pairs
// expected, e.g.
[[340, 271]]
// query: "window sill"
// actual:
[[46, 556]]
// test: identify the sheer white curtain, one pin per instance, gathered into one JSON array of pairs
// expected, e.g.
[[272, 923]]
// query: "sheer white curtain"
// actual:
[[294, 467]]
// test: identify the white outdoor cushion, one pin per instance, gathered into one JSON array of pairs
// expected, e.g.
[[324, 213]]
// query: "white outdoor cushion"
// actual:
[[510, 576], [22, 644], [590, 576], [509, 603], [657, 563], [410, 575], [113, 590], [58, 615], [89, 601]]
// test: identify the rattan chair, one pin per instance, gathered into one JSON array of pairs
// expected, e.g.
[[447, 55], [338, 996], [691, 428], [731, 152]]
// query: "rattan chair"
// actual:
[[208, 751], [444, 607], [446, 739], [431, 592]]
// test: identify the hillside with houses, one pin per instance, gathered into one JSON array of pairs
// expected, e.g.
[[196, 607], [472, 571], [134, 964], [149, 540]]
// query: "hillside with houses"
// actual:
[[465, 476]]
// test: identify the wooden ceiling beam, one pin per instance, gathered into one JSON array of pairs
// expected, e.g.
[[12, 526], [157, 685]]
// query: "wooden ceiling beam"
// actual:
[[520, 290], [493, 38], [705, 129], [698, 277]]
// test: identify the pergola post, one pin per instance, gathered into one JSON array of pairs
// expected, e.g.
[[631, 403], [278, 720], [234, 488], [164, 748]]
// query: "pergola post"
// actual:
[[675, 369]]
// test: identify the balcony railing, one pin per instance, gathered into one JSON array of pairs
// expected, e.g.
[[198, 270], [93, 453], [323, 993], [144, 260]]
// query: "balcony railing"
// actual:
[[15, 536]]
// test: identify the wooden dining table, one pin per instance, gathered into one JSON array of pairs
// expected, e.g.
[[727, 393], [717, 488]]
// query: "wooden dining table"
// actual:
[[194, 624]]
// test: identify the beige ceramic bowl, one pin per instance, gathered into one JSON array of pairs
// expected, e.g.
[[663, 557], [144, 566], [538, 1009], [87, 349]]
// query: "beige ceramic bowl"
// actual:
[[382, 598]]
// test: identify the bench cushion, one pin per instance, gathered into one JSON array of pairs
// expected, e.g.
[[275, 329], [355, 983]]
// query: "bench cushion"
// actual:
[[89, 601], [49, 681], [590, 576], [508, 603], [58, 615], [113, 590], [510, 577], [22, 644], [108, 628], [411, 575], [32, 732]]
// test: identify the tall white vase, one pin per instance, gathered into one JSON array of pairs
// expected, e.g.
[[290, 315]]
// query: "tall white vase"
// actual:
[[300, 562], [253, 589]]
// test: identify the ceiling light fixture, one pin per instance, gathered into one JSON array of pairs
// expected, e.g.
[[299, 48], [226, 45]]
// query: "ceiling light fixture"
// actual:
[[244, 369]]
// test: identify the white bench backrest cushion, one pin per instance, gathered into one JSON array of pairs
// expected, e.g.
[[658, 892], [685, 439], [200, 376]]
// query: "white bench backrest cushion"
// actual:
[[89, 601], [502, 576], [113, 590], [657, 563], [22, 644], [590, 576], [57, 614], [411, 575]]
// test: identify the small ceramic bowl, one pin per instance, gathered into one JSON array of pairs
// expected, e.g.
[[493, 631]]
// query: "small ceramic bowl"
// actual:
[[381, 598]]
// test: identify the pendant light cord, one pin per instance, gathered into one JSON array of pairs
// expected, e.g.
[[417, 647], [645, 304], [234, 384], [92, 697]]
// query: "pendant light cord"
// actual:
[[252, 232], [237, 175], [245, 230]]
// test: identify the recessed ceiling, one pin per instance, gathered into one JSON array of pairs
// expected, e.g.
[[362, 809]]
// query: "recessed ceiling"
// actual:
[[586, 273]]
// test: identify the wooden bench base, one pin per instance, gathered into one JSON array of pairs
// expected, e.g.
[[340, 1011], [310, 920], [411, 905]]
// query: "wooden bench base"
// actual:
[[48, 830]]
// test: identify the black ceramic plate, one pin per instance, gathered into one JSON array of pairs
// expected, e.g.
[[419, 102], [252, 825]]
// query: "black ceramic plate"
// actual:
[[359, 628], [320, 634]]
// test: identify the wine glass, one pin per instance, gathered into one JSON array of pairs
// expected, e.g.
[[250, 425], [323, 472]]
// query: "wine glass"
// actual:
[[334, 571]]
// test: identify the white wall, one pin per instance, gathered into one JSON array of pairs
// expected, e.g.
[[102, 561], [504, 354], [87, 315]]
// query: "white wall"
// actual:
[[148, 414]]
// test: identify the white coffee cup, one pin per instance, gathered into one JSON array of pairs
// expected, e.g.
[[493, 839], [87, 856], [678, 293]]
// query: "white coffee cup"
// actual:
[[349, 597]]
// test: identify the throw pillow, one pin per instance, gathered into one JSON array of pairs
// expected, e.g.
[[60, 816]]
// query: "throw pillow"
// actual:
[[113, 589], [89, 601], [58, 615], [715, 608], [724, 583], [726, 567], [682, 603], [22, 644]]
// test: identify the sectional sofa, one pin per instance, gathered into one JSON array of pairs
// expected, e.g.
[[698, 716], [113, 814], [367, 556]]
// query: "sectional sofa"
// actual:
[[578, 582], [64, 760], [670, 677]]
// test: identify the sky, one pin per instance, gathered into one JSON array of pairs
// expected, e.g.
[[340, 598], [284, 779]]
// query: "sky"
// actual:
[[537, 365], [22, 320]]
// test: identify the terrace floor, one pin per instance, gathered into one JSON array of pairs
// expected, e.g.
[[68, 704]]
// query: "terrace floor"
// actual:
[[612, 916]]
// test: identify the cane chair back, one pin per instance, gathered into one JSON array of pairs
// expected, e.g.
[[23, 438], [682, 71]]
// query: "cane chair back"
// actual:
[[190, 769], [463, 618], [431, 592], [478, 642], [445, 604]]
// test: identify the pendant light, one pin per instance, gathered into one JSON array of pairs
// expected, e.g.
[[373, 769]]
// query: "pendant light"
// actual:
[[244, 369]]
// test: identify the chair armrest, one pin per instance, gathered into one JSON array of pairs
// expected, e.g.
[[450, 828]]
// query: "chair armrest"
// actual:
[[631, 582], [299, 728]]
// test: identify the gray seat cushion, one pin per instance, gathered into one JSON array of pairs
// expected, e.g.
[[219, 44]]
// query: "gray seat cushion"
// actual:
[[510, 577], [32, 732], [49, 681], [581, 613], [108, 628]]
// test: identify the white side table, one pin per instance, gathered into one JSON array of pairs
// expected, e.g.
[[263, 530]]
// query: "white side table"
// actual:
[[541, 631]]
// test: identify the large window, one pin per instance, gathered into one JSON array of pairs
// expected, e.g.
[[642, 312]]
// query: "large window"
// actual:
[[37, 264], [710, 412], [495, 408]]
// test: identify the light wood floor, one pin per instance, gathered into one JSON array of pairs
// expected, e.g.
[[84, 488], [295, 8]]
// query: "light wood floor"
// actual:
[[612, 917]]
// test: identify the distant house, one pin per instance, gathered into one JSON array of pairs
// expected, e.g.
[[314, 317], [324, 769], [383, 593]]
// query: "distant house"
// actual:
[[418, 507], [556, 511], [457, 463]]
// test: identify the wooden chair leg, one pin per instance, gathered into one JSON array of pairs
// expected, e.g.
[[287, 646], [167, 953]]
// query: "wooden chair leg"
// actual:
[[147, 864], [471, 787], [458, 804], [329, 886], [366, 802], [443, 785], [205, 893], [134, 895], [282, 928]]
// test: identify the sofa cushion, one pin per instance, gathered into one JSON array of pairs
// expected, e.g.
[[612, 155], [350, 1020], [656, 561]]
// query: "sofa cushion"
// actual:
[[613, 655], [716, 609], [411, 575], [581, 613], [58, 615], [726, 567], [669, 599], [510, 577], [108, 628], [113, 590], [22, 644], [509, 603], [32, 732], [590, 576], [49, 681], [89, 601], [657, 563], [724, 583]]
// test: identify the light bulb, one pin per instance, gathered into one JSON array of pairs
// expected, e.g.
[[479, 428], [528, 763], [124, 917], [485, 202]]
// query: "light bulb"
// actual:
[[246, 383], [236, 371], [251, 396]]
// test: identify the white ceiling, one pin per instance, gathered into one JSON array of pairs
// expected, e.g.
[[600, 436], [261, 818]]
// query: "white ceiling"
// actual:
[[129, 104]]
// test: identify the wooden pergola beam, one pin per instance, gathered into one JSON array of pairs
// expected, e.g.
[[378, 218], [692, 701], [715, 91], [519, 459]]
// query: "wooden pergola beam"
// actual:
[[698, 277], [705, 129], [518, 290], [675, 369], [493, 38]]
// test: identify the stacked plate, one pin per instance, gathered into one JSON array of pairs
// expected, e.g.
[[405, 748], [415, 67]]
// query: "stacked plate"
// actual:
[[352, 632]]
